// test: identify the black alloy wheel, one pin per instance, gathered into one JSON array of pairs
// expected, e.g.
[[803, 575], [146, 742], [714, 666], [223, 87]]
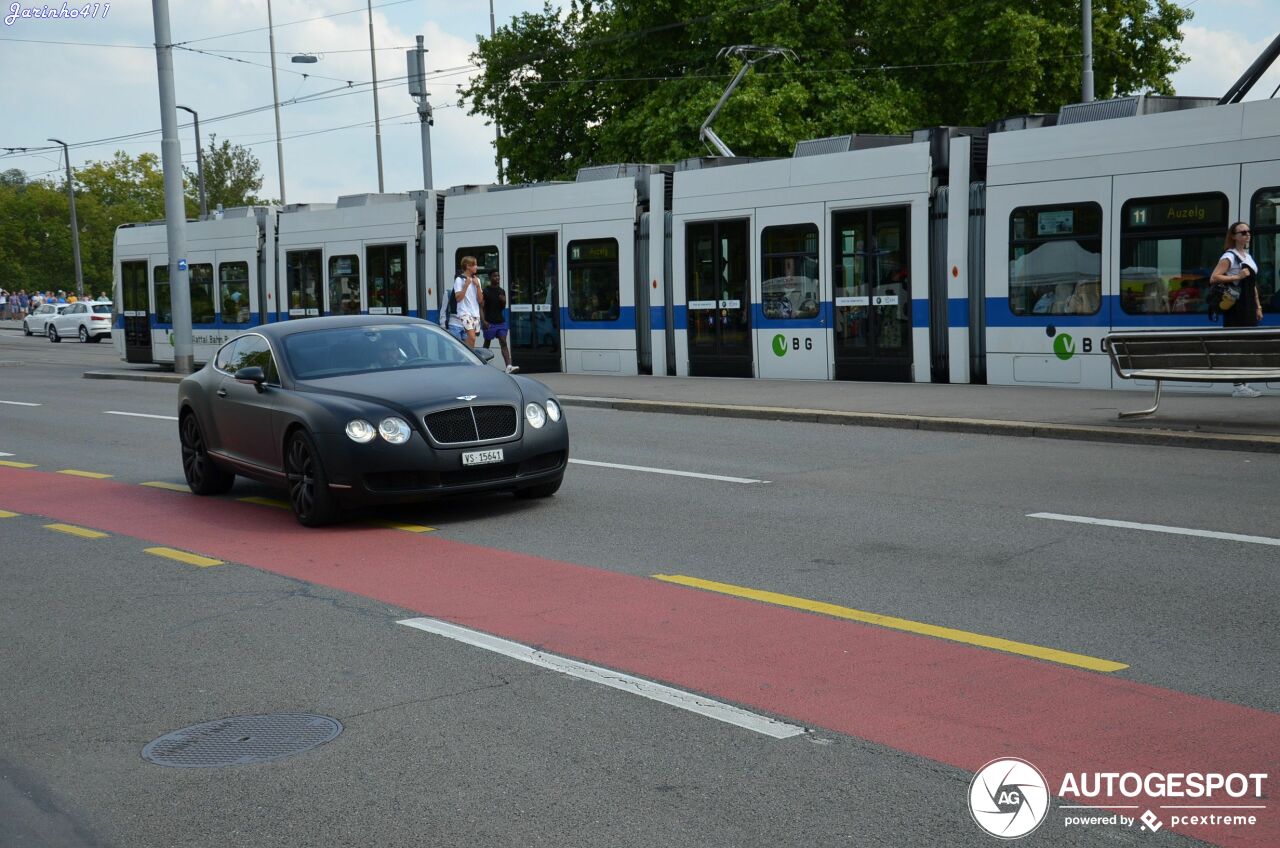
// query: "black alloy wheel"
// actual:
[[52, 333], [84, 335], [313, 504], [204, 476], [26, 329]]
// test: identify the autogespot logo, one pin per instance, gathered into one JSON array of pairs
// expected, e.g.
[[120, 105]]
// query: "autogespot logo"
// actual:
[[1009, 798]]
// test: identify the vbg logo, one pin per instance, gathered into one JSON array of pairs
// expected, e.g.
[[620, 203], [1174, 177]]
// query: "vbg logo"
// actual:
[[1064, 346], [1008, 798], [780, 344]]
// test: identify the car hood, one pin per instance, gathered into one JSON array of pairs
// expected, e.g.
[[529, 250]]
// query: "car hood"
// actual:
[[423, 389]]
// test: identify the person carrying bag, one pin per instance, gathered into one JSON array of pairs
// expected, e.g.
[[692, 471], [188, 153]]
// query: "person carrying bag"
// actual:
[[1237, 274]]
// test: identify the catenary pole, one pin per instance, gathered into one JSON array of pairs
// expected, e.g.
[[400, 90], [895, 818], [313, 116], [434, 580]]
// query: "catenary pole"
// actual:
[[418, 90], [204, 203], [497, 127], [1086, 25], [275, 100], [174, 206], [75, 227], [377, 120]]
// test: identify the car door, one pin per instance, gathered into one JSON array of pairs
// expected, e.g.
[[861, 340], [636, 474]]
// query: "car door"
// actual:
[[68, 323], [40, 319], [245, 417]]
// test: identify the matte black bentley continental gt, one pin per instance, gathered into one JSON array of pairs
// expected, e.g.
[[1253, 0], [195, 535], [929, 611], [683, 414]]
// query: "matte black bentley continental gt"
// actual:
[[364, 409]]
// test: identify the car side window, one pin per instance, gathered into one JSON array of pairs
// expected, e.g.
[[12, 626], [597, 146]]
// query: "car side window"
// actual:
[[251, 351]]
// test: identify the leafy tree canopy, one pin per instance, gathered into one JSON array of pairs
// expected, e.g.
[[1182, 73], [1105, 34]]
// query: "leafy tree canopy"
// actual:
[[633, 80], [232, 177]]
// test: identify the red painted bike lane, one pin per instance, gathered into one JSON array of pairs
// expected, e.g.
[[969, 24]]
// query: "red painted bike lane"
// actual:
[[952, 703]]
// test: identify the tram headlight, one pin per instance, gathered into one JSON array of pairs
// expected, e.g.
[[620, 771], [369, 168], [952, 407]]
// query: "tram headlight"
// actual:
[[394, 430], [553, 410], [361, 431], [534, 414]]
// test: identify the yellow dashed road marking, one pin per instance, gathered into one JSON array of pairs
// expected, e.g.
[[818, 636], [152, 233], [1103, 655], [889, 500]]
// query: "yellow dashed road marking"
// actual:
[[266, 502], [4, 513], [72, 530], [183, 556], [951, 634], [411, 528], [93, 475], [9, 463], [173, 487]]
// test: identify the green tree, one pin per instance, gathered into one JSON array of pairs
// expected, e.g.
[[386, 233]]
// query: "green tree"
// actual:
[[633, 80], [232, 177]]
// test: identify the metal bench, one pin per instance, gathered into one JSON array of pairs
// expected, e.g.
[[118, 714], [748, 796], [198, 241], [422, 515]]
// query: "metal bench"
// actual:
[[1195, 356]]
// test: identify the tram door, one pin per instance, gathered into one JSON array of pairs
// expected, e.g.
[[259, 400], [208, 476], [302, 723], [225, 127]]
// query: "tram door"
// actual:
[[533, 302], [135, 310], [872, 294], [718, 295]]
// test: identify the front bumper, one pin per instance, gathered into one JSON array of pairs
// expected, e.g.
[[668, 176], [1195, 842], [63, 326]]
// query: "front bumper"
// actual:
[[379, 472]]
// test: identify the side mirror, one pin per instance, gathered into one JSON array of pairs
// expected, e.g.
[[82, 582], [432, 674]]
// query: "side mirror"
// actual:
[[252, 374], [483, 354]]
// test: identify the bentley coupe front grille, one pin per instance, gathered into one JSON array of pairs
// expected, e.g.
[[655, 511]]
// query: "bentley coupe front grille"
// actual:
[[472, 424]]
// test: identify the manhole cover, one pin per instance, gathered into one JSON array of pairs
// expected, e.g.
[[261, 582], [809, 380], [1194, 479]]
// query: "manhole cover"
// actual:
[[241, 740]]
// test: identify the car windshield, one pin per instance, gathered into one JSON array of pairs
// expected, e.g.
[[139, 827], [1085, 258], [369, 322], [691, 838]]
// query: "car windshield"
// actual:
[[356, 350]]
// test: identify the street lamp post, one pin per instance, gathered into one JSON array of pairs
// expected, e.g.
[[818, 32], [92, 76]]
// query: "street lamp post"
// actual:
[[75, 228], [204, 205], [377, 121], [275, 99]]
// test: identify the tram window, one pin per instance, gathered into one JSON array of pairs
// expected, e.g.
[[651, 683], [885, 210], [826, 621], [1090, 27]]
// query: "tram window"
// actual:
[[1055, 260], [386, 275], [302, 275], [594, 289], [1168, 248], [486, 260], [200, 280], [789, 271], [344, 285], [233, 291], [164, 307], [1266, 246]]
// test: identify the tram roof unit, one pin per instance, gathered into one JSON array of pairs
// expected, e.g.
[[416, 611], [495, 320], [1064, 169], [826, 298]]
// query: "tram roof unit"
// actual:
[[231, 229], [353, 217], [1200, 136], [543, 204], [879, 172]]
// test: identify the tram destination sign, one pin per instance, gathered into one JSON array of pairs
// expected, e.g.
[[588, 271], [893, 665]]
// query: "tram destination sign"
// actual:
[[1208, 210]]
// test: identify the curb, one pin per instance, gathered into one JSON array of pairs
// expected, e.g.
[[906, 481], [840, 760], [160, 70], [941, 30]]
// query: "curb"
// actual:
[[1027, 429], [977, 426]]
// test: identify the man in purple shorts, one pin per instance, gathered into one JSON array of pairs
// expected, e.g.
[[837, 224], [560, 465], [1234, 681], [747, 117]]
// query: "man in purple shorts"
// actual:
[[494, 318]]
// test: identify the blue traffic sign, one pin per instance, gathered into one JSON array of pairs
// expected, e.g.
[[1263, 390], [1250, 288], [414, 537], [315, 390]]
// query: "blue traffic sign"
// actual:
[[182, 264]]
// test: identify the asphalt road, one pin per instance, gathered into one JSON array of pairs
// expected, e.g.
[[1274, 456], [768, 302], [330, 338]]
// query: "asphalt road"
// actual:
[[106, 647]]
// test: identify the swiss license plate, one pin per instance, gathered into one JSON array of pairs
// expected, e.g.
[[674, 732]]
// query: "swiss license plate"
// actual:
[[482, 457]]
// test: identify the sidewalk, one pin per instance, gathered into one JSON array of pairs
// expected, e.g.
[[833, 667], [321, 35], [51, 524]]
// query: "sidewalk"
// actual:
[[1187, 417]]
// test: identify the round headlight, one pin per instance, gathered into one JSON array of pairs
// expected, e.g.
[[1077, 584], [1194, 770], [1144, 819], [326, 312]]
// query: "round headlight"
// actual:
[[360, 431], [535, 416], [394, 430], [553, 410]]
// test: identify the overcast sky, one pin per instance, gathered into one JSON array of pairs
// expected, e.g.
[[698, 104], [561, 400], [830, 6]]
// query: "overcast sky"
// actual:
[[82, 93]]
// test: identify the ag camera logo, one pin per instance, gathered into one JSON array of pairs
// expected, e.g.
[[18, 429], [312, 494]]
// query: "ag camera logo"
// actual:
[[1009, 798]]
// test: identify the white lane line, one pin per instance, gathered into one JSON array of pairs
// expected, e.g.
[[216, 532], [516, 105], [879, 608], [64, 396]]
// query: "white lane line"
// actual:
[[613, 679], [2, 453], [18, 403], [668, 471], [1157, 528], [141, 415]]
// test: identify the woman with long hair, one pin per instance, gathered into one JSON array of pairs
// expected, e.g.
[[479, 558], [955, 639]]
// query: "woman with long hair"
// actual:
[[1238, 268]]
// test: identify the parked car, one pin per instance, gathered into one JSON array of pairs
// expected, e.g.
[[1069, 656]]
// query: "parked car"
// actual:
[[87, 320], [36, 323], [366, 409]]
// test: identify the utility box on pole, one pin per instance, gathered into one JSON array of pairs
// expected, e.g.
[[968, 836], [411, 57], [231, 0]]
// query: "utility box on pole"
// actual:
[[417, 78]]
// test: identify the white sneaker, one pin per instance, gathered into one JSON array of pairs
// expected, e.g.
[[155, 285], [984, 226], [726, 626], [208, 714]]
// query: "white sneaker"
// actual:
[[511, 369], [1246, 391]]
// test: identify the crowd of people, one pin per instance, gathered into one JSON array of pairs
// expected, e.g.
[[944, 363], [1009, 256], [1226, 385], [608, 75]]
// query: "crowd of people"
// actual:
[[16, 305]]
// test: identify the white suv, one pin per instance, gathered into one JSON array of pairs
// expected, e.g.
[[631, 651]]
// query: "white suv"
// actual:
[[87, 320], [37, 322]]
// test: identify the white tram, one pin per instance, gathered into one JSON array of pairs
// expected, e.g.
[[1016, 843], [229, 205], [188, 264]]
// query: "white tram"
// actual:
[[1001, 254]]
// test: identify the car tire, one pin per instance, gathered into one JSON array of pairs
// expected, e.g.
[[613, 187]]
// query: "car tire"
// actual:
[[84, 335], [204, 476], [52, 332], [26, 329], [313, 504], [543, 490]]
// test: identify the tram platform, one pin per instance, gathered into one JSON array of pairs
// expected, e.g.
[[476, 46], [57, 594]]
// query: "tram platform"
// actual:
[[1189, 416]]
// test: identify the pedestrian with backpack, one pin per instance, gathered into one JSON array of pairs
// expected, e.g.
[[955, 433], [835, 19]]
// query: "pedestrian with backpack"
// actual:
[[1237, 273]]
